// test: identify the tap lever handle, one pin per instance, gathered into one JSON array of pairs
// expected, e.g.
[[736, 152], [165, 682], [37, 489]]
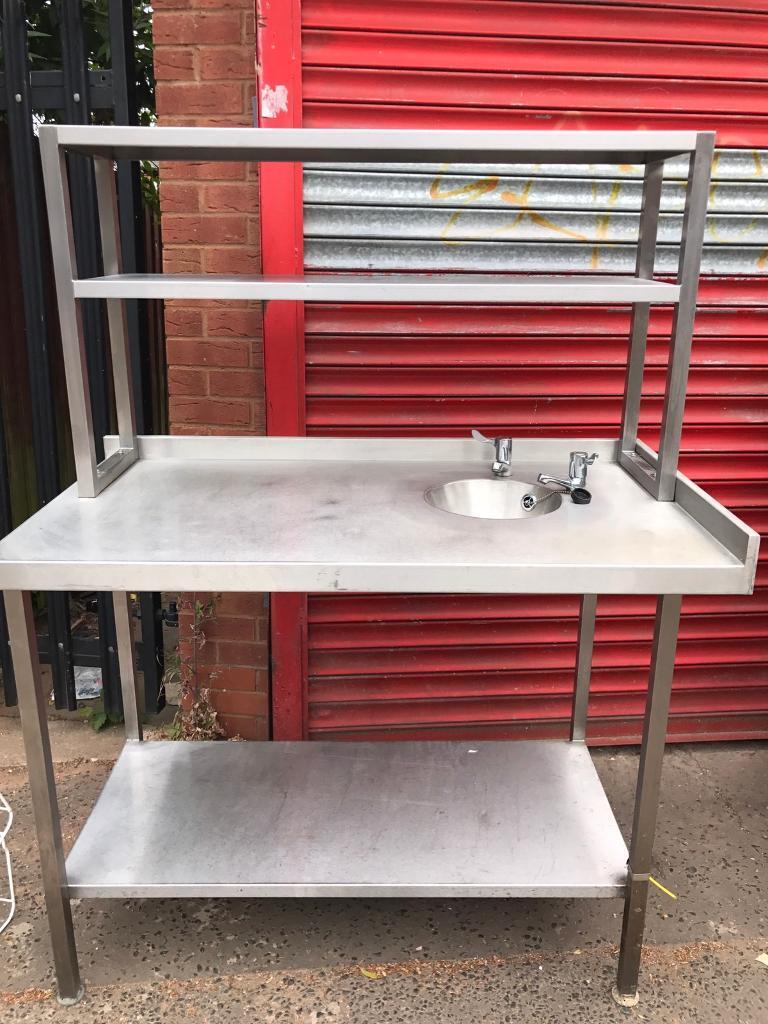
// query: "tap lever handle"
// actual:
[[477, 436]]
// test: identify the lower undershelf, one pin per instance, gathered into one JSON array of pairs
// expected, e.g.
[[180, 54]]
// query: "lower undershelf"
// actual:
[[350, 819]]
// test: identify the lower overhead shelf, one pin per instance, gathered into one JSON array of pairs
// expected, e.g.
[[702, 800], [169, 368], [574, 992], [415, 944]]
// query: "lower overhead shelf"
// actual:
[[368, 287], [350, 819]]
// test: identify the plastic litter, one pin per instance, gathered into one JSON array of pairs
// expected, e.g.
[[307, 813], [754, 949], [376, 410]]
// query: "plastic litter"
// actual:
[[88, 683]]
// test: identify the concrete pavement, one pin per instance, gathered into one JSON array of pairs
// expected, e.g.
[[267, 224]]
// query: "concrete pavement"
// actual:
[[310, 961]]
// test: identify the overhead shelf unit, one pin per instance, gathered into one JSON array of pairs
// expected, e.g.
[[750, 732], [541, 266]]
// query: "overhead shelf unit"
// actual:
[[334, 514]]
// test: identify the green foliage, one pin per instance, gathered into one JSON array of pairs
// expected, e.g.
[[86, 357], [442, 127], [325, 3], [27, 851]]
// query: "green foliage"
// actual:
[[44, 44], [44, 32], [98, 719], [175, 730], [150, 186]]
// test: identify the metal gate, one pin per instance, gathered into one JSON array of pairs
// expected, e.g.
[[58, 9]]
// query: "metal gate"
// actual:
[[441, 666], [35, 453]]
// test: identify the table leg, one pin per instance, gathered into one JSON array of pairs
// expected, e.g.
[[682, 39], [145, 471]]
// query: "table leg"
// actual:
[[586, 643], [647, 796], [34, 722], [127, 662]]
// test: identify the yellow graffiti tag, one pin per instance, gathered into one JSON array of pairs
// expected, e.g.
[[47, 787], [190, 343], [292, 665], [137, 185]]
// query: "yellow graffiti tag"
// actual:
[[714, 233], [522, 199], [470, 192], [603, 225]]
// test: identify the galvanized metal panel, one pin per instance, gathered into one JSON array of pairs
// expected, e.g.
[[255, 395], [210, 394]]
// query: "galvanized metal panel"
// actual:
[[435, 666], [527, 257], [498, 188], [452, 226], [433, 218]]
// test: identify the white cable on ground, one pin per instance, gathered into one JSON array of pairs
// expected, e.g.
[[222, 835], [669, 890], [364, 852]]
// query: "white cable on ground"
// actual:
[[5, 828]]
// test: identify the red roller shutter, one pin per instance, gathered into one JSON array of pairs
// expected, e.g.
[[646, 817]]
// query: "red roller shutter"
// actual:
[[441, 666]]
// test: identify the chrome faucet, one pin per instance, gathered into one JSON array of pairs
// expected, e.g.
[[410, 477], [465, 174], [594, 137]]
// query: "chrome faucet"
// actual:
[[502, 449], [577, 472]]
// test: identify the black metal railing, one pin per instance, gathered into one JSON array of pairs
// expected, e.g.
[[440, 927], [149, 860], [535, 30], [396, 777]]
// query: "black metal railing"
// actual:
[[71, 95]]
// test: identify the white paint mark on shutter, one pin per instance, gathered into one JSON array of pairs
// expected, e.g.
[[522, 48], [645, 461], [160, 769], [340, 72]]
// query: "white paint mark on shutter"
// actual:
[[273, 101]]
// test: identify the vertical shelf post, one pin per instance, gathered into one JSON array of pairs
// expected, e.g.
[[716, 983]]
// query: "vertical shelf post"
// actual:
[[584, 649], [37, 744], [127, 663], [109, 227], [647, 794], [689, 266], [646, 255]]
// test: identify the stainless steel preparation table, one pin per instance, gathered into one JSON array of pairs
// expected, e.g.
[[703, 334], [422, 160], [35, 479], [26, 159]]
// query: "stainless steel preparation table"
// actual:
[[332, 514]]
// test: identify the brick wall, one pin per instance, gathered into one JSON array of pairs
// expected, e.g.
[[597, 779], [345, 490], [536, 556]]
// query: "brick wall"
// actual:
[[205, 69]]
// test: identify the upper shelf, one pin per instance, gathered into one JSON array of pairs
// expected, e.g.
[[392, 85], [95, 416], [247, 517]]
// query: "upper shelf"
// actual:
[[444, 288], [362, 144]]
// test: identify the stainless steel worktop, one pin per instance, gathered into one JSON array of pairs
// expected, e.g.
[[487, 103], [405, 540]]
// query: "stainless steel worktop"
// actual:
[[288, 515]]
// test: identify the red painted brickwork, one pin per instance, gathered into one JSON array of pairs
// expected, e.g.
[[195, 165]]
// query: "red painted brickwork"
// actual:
[[205, 67]]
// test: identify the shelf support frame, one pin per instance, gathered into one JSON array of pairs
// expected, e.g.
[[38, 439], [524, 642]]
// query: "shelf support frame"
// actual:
[[659, 480], [688, 271], [92, 476], [660, 476]]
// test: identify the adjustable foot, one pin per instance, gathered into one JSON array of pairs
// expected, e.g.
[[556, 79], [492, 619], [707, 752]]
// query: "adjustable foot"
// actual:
[[71, 1000], [628, 1000]]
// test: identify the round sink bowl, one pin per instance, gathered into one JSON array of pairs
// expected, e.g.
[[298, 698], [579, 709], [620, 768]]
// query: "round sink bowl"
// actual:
[[497, 498]]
